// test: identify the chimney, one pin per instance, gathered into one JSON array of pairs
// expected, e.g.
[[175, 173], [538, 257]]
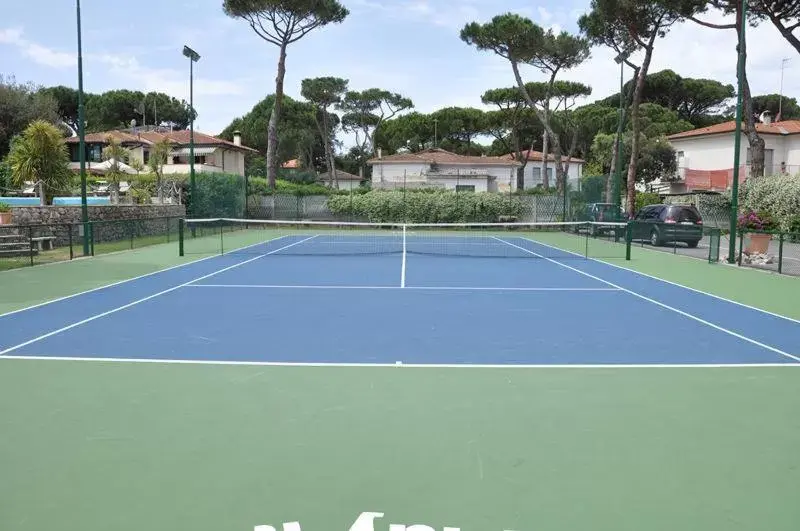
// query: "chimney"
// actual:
[[380, 153], [237, 138]]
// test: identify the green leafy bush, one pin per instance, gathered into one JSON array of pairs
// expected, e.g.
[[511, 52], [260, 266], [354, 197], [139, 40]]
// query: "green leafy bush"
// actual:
[[5, 207], [646, 198], [779, 195], [382, 206], [218, 195]]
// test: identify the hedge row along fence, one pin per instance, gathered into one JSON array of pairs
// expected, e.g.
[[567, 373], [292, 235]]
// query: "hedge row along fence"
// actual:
[[382, 206]]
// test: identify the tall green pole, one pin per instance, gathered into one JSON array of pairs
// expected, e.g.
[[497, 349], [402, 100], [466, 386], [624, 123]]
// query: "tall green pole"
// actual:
[[82, 140], [737, 139], [616, 185], [193, 58], [191, 138]]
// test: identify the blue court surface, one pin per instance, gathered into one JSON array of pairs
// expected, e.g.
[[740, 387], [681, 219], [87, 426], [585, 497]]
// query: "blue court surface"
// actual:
[[320, 299]]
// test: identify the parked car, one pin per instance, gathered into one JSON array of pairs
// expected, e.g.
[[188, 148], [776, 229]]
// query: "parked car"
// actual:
[[601, 213], [660, 224]]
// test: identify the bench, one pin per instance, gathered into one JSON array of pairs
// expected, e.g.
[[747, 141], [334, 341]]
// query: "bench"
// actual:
[[44, 243]]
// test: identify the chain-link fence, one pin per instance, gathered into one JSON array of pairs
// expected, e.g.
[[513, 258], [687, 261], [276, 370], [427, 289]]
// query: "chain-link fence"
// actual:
[[771, 251], [361, 206], [28, 245]]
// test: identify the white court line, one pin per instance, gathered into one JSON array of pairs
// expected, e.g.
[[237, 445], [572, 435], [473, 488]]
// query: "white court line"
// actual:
[[665, 306], [403, 265], [128, 279], [406, 365], [434, 288], [143, 299]]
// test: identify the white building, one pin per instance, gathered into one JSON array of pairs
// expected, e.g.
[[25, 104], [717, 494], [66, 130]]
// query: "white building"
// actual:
[[535, 165], [705, 155], [347, 181], [211, 154], [440, 168]]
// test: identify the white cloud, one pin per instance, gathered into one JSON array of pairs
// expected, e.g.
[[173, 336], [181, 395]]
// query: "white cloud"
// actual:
[[40, 54]]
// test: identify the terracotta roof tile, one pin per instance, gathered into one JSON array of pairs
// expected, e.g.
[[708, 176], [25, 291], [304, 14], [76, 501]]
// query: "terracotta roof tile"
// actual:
[[291, 164], [151, 137], [537, 156], [341, 175], [440, 156], [786, 127]]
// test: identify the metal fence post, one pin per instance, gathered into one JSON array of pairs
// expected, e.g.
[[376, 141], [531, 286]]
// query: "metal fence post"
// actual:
[[30, 242], [741, 244], [628, 239], [69, 230], [780, 253]]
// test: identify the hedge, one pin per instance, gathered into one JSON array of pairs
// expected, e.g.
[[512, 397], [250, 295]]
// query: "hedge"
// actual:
[[390, 206], [777, 194]]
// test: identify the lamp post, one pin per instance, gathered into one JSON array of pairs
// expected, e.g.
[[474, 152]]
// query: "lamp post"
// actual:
[[82, 139], [617, 183], [737, 138], [193, 58]]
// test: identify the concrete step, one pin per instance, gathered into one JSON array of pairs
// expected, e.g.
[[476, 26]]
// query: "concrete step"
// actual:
[[15, 245]]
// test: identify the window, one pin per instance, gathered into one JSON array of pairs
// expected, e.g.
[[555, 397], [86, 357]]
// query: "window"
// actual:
[[145, 156], [465, 188], [176, 160], [95, 153], [200, 159]]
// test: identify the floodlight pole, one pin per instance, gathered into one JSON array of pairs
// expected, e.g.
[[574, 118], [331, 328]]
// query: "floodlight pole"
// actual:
[[193, 58], [737, 138], [82, 139], [617, 182]]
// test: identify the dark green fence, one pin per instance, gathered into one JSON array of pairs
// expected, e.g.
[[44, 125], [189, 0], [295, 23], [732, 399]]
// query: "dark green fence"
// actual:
[[28, 245], [771, 251]]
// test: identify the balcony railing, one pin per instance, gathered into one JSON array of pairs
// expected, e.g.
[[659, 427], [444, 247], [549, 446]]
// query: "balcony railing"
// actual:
[[722, 179]]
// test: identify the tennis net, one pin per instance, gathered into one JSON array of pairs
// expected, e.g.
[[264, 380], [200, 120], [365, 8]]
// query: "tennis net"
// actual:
[[309, 238]]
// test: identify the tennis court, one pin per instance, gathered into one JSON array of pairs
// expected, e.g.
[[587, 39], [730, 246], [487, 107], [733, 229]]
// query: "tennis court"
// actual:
[[482, 377]]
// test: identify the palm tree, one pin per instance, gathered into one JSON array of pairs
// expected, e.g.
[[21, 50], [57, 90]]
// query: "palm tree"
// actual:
[[115, 154], [158, 157], [40, 155]]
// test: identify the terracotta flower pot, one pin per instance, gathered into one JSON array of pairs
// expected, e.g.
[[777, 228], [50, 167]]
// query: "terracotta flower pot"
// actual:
[[5, 218], [758, 243]]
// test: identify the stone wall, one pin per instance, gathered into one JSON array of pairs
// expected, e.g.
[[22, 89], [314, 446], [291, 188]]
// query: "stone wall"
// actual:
[[110, 222]]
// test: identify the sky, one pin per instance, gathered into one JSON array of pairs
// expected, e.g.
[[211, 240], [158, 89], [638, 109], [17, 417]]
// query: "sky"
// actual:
[[406, 46]]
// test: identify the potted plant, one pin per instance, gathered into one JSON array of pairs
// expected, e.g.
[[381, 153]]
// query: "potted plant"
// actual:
[[5, 214], [757, 227]]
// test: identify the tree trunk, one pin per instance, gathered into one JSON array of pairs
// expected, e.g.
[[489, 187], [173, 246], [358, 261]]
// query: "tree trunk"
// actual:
[[42, 195], [522, 160], [324, 131], [612, 173], [754, 140], [272, 128], [545, 178], [636, 125]]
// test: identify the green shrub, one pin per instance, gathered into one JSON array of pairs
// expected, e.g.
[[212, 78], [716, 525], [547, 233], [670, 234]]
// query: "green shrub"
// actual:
[[218, 195], [385, 206], [778, 195], [646, 198], [5, 207]]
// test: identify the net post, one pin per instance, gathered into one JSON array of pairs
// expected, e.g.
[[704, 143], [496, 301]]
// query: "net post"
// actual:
[[628, 239], [181, 222], [586, 242], [221, 243]]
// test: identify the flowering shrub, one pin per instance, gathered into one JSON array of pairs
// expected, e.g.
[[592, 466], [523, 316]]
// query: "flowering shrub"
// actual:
[[752, 220], [777, 194]]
